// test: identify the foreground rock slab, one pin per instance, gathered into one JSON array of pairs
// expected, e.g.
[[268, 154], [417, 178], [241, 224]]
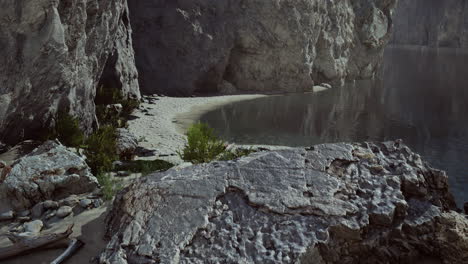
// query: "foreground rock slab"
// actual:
[[49, 172], [333, 203]]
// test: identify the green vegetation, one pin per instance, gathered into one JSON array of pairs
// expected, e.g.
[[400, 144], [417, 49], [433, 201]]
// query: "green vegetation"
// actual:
[[144, 167], [100, 147], [66, 130], [237, 153], [100, 150], [109, 185], [109, 116], [100, 153], [204, 146]]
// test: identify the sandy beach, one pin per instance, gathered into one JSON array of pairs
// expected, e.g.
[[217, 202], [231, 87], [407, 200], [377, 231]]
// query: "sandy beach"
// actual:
[[160, 125]]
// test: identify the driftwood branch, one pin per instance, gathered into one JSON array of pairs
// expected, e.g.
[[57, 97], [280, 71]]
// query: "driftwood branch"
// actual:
[[73, 247], [25, 244]]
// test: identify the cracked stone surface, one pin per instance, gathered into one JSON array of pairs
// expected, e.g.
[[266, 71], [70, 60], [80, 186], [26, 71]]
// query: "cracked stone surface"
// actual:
[[331, 203], [49, 172]]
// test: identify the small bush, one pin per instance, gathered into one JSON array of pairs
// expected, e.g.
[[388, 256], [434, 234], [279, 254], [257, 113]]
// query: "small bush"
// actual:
[[108, 96], [145, 167], [108, 117], [100, 150], [235, 154], [128, 105], [202, 144], [67, 130], [109, 185]]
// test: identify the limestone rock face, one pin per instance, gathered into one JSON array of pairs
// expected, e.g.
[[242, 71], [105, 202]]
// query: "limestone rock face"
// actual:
[[53, 54], [48, 173], [194, 45], [432, 23], [126, 144], [332, 203]]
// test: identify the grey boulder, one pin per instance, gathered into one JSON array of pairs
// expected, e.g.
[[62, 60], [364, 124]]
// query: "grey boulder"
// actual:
[[332, 203], [49, 172], [64, 211], [127, 143], [33, 226]]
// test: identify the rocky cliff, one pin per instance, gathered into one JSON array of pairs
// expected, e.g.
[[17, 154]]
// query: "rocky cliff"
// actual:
[[333, 203], [432, 23], [53, 56], [191, 46]]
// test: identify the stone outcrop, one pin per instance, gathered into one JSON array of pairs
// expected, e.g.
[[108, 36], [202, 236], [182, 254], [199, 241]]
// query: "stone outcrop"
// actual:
[[49, 172], [126, 144], [53, 54], [192, 46], [431, 23], [332, 203]]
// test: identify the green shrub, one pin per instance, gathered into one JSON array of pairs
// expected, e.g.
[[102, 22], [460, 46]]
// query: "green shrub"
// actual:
[[100, 149], [202, 144], [107, 117], [109, 185], [235, 154], [108, 96], [145, 167], [66, 130], [128, 105]]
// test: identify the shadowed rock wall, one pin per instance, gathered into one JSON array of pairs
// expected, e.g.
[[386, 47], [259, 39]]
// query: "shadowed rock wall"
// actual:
[[53, 54], [432, 23], [191, 46]]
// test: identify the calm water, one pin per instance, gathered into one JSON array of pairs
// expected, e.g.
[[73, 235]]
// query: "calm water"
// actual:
[[422, 98]]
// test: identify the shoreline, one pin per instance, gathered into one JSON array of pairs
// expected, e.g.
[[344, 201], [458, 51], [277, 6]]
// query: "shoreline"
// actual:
[[160, 122]]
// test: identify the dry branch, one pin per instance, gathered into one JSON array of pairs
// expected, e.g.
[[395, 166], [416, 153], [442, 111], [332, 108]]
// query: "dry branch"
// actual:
[[24, 244]]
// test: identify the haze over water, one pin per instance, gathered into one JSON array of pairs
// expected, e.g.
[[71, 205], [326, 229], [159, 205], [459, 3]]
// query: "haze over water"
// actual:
[[422, 98]]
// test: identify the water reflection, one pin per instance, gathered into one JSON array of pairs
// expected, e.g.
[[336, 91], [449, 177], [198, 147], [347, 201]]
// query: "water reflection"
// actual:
[[422, 97]]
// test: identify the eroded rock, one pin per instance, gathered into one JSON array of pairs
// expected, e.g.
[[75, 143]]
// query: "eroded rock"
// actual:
[[325, 204], [53, 56], [281, 46], [49, 172]]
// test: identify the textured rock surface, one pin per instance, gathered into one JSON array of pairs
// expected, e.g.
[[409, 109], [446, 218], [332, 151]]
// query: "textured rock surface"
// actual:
[[53, 54], [33, 226], [432, 23], [64, 211], [126, 143], [334, 203], [49, 172], [188, 45]]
